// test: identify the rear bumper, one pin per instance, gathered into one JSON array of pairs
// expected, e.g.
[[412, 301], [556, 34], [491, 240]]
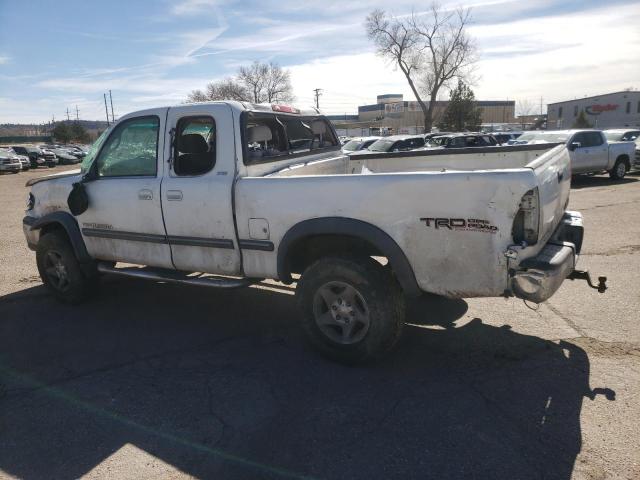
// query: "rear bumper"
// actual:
[[10, 167], [537, 279]]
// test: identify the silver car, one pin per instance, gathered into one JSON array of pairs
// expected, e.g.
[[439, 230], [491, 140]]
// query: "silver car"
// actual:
[[9, 162]]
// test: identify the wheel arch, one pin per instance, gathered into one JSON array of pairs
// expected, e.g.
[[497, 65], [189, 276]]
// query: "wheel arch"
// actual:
[[66, 222], [355, 233], [625, 158]]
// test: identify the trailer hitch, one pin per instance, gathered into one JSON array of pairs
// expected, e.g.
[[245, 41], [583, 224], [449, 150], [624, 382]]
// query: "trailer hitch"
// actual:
[[584, 275]]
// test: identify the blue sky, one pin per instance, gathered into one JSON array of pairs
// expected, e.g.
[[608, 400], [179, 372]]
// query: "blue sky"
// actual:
[[55, 55]]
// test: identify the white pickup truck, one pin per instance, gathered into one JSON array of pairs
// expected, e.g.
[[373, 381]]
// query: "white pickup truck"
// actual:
[[225, 194], [590, 151]]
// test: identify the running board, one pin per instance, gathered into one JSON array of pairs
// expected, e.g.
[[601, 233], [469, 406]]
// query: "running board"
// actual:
[[173, 276]]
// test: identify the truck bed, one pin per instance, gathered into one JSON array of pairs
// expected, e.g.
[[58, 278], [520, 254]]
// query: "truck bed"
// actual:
[[399, 193]]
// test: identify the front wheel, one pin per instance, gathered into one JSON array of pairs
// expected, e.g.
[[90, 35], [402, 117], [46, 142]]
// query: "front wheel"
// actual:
[[353, 308], [619, 170], [60, 270]]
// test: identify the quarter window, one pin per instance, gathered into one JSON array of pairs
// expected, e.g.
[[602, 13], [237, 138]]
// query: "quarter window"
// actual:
[[628, 107], [560, 112], [194, 150], [131, 150]]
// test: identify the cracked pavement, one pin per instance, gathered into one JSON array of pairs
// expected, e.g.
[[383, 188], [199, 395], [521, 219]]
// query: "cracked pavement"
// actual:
[[163, 381]]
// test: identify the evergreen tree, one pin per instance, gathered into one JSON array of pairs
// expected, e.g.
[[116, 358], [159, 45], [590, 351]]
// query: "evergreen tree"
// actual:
[[462, 112], [581, 121], [62, 132], [79, 133]]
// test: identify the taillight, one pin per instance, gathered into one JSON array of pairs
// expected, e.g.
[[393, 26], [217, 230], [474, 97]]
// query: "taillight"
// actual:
[[526, 224]]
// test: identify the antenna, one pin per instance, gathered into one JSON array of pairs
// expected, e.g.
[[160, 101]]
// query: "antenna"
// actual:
[[77, 114]]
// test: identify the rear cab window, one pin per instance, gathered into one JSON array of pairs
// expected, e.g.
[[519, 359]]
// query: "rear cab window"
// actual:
[[272, 137]]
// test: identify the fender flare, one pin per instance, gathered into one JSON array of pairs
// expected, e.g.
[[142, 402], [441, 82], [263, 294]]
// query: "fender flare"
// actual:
[[353, 228], [70, 226]]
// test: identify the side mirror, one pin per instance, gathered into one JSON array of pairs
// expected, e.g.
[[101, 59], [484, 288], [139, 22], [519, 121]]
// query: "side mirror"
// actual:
[[574, 145], [78, 200]]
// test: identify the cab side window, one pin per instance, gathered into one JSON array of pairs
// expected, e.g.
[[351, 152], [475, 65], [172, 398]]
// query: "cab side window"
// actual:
[[131, 150], [194, 149], [580, 138]]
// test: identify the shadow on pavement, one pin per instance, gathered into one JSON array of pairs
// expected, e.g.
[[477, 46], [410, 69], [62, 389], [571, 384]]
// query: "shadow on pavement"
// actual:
[[222, 385], [582, 181]]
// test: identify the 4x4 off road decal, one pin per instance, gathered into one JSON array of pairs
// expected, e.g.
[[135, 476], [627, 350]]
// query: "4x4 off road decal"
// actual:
[[467, 224]]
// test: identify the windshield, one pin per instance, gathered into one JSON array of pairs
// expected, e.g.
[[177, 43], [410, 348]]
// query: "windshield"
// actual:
[[93, 150], [551, 137], [352, 145], [381, 145]]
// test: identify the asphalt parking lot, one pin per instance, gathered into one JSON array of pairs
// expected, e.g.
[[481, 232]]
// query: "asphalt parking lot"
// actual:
[[164, 381]]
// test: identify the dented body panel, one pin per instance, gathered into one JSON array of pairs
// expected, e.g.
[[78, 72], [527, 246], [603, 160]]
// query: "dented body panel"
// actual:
[[451, 215]]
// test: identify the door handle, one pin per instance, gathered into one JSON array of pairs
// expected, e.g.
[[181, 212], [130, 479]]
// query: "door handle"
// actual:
[[145, 194], [174, 195]]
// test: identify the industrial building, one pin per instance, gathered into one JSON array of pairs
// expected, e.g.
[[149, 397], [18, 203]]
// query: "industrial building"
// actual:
[[611, 110], [391, 114]]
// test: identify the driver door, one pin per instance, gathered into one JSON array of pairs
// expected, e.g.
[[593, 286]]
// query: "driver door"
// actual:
[[124, 220]]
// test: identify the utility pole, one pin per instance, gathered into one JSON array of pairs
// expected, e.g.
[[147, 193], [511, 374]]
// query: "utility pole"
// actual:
[[317, 95], [113, 119], [105, 107], [77, 114], [68, 114], [541, 106]]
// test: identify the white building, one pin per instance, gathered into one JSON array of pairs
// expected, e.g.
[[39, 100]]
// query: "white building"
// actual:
[[611, 110]]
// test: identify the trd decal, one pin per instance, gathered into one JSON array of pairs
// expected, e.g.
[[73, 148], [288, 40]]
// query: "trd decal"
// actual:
[[101, 226], [468, 224]]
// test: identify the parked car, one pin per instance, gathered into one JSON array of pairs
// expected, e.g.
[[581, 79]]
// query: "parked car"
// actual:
[[461, 140], [396, 143], [65, 157], [37, 156], [24, 161], [589, 150], [503, 138], [637, 162], [622, 135], [294, 205], [358, 143], [9, 162]]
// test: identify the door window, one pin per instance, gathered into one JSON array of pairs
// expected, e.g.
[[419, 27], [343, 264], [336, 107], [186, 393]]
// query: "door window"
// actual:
[[580, 138], [593, 139], [131, 150], [194, 146]]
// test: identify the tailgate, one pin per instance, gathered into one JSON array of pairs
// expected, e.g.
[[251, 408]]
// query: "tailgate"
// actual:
[[553, 175]]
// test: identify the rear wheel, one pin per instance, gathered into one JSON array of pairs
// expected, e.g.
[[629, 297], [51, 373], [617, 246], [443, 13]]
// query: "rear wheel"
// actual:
[[60, 270], [353, 308], [619, 170]]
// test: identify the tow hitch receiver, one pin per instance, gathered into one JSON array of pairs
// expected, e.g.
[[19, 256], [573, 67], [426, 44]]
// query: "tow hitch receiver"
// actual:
[[584, 275]]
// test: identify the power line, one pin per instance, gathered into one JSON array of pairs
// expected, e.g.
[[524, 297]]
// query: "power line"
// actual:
[[317, 95], [105, 107], [113, 119]]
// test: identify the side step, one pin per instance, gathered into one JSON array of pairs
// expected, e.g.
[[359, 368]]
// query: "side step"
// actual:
[[173, 276]]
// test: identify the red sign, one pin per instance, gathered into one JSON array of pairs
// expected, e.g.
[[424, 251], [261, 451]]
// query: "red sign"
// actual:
[[598, 109]]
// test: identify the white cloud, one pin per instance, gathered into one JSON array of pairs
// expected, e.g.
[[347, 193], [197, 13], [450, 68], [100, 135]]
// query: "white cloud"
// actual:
[[193, 7], [4, 59]]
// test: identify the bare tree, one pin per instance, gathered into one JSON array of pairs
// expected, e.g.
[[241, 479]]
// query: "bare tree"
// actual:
[[524, 109], [266, 82], [258, 83], [431, 49]]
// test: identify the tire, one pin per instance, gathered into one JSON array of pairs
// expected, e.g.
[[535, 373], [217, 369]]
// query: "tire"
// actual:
[[60, 270], [15, 171], [619, 170], [353, 308]]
